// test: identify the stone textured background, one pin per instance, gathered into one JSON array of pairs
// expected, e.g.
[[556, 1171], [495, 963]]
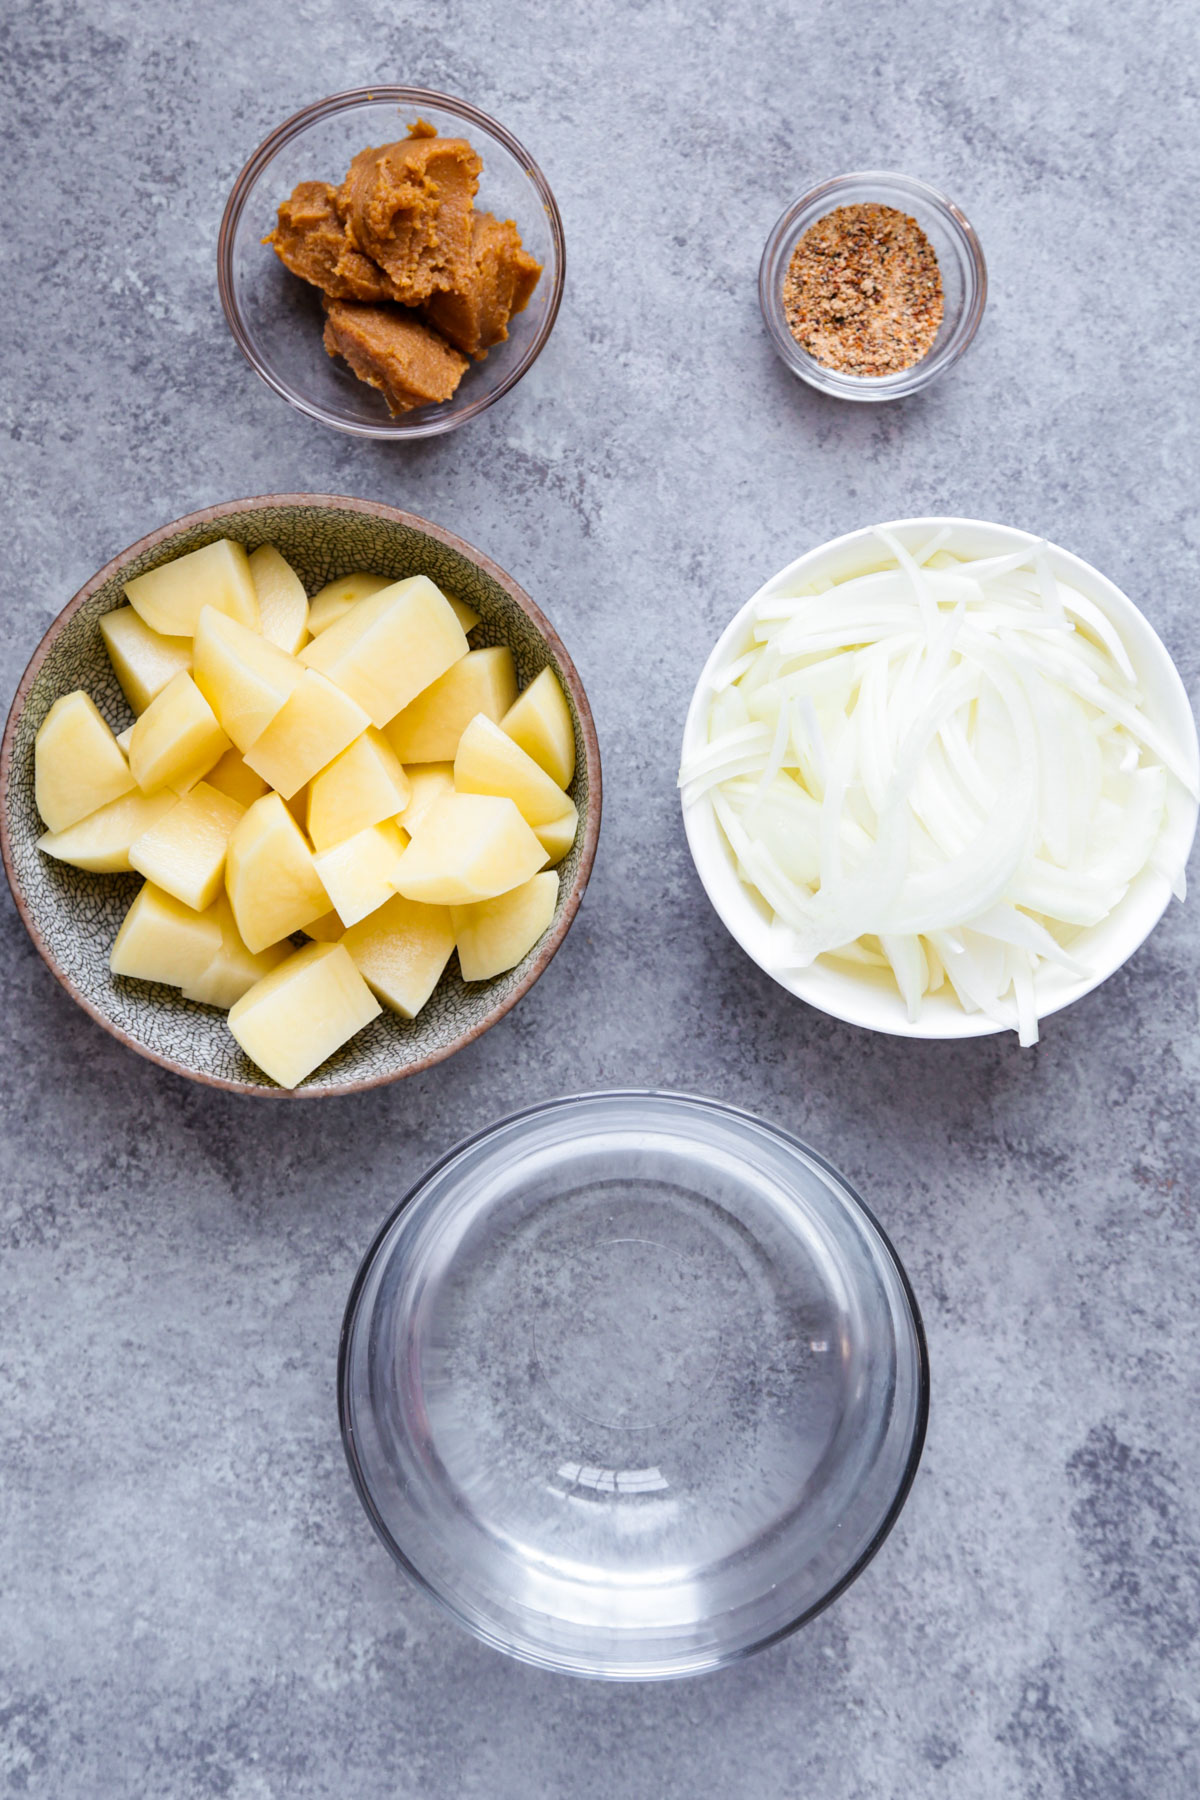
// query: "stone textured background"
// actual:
[[192, 1602]]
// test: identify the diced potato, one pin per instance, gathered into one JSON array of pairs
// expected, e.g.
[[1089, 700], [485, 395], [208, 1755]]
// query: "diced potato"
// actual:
[[362, 786], [468, 847], [466, 615], [316, 723], [184, 852], [427, 783], [170, 599], [360, 873], [143, 661], [297, 805], [489, 762], [335, 600], [78, 765], [124, 739], [231, 776], [428, 730], [390, 646], [495, 934], [326, 930], [100, 843], [161, 939], [176, 740], [282, 601], [269, 876], [233, 971], [245, 678], [558, 835], [297, 1016], [401, 950], [540, 721]]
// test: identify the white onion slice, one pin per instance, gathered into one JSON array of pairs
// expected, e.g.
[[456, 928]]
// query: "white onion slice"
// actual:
[[940, 768]]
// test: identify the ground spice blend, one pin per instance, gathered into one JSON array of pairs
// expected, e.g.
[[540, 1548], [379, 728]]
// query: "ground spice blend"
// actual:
[[863, 291]]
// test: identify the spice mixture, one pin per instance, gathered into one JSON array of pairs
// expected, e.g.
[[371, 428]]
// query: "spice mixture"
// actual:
[[863, 291]]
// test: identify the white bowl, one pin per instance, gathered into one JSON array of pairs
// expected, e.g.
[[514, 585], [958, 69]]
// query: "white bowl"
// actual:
[[865, 997]]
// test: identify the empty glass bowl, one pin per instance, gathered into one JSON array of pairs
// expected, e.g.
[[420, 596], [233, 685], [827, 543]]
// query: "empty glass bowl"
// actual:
[[276, 319], [954, 243], [633, 1384]]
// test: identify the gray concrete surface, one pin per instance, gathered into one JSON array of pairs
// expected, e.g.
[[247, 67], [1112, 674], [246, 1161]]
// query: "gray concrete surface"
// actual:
[[191, 1602]]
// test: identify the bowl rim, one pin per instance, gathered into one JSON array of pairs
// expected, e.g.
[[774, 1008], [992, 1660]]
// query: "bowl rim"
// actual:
[[346, 101], [841, 1184], [209, 515], [711, 854], [871, 389]]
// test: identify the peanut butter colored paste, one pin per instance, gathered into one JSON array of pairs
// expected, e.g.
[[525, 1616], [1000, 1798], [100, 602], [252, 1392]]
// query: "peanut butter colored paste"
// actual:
[[312, 241], [409, 364], [408, 206], [401, 232], [500, 277]]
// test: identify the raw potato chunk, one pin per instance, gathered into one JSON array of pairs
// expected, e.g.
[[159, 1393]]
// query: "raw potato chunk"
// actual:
[[269, 876], [176, 740], [313, 726], [244, 678], [427, 783], [362, 786], [231, 776], [390, 646], [335, 600], [171, 599], [466, 615], [123, 741], [100, 843], [428, 730], [468, 847], [360, 874], [401, 951], [184, 852], [77, 763], [540, 721], [142, 660], [328, 929], [297, 1016], [282, 601], [233, 971], [488, 762], [494, 935], [557, 837], [161, 939]]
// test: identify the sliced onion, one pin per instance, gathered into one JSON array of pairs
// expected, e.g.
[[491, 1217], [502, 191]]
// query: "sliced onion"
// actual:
[[940, 767]]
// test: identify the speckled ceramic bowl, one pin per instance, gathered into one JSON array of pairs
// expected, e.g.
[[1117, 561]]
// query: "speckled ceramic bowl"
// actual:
[[73, 917]]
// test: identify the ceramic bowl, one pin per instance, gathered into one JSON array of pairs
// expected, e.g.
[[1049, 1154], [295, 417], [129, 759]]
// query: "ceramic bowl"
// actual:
[[276, 318], [863, 997], [73, 917]]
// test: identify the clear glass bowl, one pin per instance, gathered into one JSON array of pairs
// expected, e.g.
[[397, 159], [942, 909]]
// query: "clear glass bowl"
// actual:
[[633, 1384], [964, 279], [276, 319]]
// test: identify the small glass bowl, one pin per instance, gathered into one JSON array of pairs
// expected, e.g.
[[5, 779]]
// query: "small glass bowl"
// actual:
[[633, 1384], [276, 318], [960, 259]]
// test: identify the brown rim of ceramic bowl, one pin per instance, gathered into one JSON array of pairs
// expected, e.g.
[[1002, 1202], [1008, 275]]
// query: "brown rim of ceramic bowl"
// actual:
[[373, 509]]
